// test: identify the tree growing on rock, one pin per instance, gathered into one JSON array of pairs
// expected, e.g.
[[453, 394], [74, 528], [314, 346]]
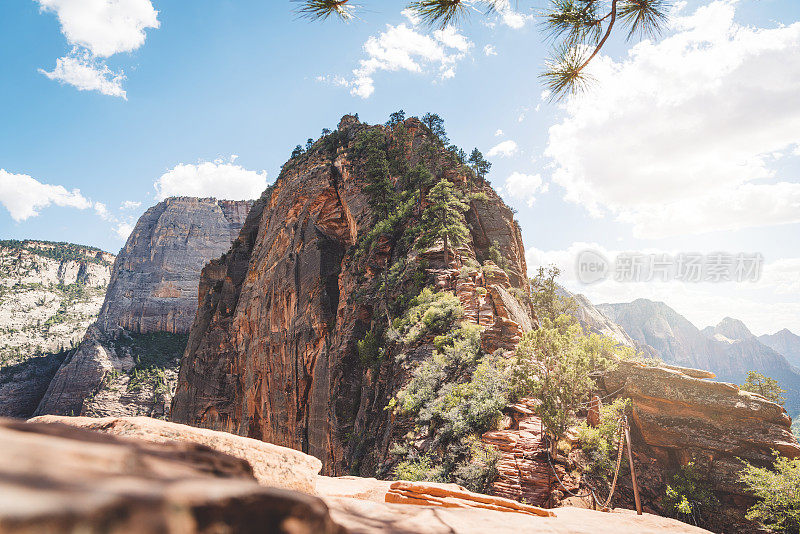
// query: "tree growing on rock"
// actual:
[[436, 125], [765, 386], [443, 220], [479, 164]]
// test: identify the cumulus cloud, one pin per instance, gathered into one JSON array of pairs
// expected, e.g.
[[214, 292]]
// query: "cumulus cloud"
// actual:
[[682, 136], [405, 48], [498, 133], [489, 50], [85, 73], [765, 306], [130, 205], [24, 196], [503, 149], [524, 187], [217, 178], [508, 16], [104, 27], [98, 29]]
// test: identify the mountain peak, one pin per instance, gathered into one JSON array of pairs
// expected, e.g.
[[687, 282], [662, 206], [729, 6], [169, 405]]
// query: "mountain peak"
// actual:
[[733, 329]]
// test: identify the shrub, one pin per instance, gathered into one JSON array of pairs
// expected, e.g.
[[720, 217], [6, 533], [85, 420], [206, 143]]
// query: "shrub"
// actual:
[[777, 491], [369, 349], [431, 313], [600, 444], [688, 496], [417, 469], [554, 364]]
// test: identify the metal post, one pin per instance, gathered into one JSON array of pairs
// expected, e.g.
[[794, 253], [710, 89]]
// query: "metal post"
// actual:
[[633, 471]]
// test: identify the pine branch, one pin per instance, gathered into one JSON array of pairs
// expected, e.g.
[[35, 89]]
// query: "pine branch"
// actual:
[[439, 12], [644, 17], [322, 9]]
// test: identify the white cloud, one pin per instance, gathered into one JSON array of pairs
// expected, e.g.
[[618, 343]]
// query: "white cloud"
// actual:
[[498, 133], [503, 149], [510, 17], [765, 306], [24, 197], [87, 74], [104, 27], [130, 205], [672, 138], [211, 179], [102, 211], [98, 29], [123, 230], [489, 50], [524, 186], [403, 48]]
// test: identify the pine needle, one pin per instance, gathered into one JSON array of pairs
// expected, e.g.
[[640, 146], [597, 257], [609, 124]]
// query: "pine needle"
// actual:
[[322, 9]]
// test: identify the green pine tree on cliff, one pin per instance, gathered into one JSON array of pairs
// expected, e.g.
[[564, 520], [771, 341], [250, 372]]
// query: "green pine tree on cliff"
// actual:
[[578, 28], [443, 219]]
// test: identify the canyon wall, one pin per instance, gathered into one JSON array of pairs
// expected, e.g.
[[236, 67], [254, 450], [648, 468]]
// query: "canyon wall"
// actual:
[[127, 361]]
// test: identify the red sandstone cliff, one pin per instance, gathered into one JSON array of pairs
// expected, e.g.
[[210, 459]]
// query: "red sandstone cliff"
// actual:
[[272, 353]]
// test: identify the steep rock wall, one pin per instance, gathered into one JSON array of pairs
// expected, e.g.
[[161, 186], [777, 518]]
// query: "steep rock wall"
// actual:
[[153, 289], [271, 354]]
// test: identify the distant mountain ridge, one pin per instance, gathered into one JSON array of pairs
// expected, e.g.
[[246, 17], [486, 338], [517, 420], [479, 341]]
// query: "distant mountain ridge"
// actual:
[[728, 349], [784, 342]]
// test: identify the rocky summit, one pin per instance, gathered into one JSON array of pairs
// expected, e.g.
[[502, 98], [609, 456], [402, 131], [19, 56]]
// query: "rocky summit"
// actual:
[[273, 353], [127, 361]]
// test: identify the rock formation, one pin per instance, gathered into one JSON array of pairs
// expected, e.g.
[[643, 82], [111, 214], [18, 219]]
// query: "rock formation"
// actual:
[[153, 284], [49, 294], [127, 362], [678, 418], [729, 349], [272, 353]]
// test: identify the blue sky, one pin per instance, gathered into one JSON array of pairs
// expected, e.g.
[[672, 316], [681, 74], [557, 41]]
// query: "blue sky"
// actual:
[[688, 145]]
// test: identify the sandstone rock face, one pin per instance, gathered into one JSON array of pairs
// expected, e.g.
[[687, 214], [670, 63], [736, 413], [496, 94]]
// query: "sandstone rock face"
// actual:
[[153, 290], [454, 496], [272, 465], [272, 353], [55, 478], [153, 285], [677, 419]]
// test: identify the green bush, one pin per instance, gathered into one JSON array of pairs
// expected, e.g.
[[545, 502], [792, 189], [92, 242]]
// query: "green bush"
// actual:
[[554, 364], [600, 444], [765, 386], [431, 312], [417, 470], [777, 492], [688, 496], [369, 348]]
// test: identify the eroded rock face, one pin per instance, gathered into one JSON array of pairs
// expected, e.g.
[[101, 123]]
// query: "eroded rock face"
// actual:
[[272, 351], [55, 478], [153, 284], [678, 419], [153, 290]]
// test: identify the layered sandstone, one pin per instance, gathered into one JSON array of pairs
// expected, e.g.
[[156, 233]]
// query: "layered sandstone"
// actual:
[[272, 353], [153, 284], [153, 290]]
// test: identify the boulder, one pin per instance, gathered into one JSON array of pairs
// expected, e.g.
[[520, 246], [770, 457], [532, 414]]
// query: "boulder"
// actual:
[[56, 478], [273, 465]]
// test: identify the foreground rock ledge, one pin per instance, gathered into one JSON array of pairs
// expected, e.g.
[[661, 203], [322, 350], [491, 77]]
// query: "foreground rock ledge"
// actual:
[[275, 466], [55, 478]]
